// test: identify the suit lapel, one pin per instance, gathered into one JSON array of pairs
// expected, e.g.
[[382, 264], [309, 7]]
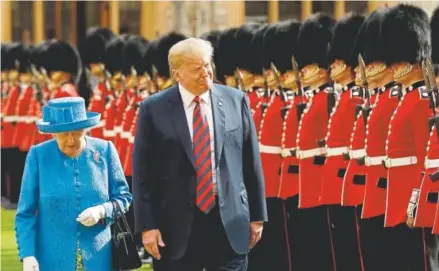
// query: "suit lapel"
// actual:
[[219, 119], [180, 122]]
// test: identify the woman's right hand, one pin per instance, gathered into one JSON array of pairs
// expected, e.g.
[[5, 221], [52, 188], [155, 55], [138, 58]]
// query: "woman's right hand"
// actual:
[[30, 264]]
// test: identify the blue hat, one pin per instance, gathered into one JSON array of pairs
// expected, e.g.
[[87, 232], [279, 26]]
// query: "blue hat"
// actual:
[[65, 115]]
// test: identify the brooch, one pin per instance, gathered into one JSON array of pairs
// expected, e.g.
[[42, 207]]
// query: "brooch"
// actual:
[[96, 156]]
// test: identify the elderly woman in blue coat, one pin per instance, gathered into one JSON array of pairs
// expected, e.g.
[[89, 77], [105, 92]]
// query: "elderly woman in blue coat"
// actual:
[[69, 183]]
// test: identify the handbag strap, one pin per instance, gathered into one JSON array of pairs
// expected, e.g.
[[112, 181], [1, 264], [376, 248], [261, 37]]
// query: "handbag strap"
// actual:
[[117, 210]]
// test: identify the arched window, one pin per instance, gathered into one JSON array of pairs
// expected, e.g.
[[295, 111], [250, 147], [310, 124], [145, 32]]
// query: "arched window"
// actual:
[[21, 21], [129, 17], [290, 10], [256, 11]]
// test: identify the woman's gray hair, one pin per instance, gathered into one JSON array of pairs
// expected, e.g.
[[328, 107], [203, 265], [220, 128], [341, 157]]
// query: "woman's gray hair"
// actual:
[[191, 47]]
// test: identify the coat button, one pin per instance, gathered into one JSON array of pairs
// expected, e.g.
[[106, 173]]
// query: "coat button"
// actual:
[[76, 172], [191, 204]]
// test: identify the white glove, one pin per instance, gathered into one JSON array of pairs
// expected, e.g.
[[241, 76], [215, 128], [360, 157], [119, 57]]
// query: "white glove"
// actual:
[[30, 264], [90, 216]]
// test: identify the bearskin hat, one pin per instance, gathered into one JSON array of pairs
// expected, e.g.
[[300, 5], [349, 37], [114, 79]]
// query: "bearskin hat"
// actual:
[[92, 49], [343, 39], [284, 45], [226, 51], [114, 55], [62, 57], [368, 41], [243, 37], [257, 49], [161, 51], [132, 55], [268, 43], [434, 25], [314, 39], [405, 32], [212, 37]]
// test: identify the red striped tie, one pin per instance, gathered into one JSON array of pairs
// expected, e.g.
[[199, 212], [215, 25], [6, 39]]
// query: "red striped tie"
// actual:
[[203, 163]]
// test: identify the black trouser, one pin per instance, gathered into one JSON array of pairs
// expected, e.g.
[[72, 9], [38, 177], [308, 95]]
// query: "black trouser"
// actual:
[[374, 243], [17, 168], [208, 247], [6, 159], [412, 249], [294, 234], [272, 251], [345, 238], [315, 241]]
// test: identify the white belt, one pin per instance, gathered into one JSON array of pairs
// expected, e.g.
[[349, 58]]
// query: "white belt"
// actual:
[[131, 139], [374, 161], [32, 120], [309, 153], [118, 129], [109, 133], [269, 149], [399, 162], [287, 152], [336, 151], [433, 163], [355, 154], [125, 135], [10, 118], [22, 118]]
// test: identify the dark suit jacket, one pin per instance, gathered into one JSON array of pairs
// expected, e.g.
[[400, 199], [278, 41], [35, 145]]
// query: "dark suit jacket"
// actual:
[[164, 176]]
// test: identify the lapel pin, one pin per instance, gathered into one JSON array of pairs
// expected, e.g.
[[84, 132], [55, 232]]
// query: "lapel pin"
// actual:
[[96, 156], [220, 103]]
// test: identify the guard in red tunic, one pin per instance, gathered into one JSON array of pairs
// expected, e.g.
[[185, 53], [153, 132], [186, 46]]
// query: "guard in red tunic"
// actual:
[[6, 65], [409, 132], [273, 252], [92, 54], [113, 64], [316, 243], [63, 69], [343, 219]]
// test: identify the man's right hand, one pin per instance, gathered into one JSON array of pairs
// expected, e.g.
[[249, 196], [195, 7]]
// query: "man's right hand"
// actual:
[[151, 240]]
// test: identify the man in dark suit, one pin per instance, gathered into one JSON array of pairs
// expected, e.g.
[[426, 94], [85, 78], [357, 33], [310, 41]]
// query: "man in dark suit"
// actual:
[[197, 180]]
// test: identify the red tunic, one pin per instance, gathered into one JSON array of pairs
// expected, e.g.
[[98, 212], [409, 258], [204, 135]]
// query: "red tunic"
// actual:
[[427, 200], [121, 104], [66, 90], [97, 104], [109, 115], [23, 104], [374, 202], [407, 138], [339, 131], [270, 138], [28, 139], [312, 127], [289, 183], [128, 165], [10, 118], [355, 177]]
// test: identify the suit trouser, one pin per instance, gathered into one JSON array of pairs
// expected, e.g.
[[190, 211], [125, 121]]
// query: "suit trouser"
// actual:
[[208, 247], [315, 240], [130, 214], [272, 251], [344, 231], [19, 159]]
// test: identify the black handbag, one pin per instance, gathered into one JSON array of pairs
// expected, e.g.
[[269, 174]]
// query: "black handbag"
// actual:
[[124, 251]]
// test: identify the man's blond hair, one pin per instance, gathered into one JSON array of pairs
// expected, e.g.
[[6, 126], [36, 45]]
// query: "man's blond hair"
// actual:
[[188, 48]]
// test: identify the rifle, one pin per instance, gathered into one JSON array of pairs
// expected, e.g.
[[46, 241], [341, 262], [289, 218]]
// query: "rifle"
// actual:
[[302, 105], [239, 80], [285, 108], [430, 83], [39, 92], [264, 104], [155, 77], [367, 108]]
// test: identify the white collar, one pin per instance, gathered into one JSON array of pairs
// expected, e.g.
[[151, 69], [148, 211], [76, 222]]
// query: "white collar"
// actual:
[[188, 97]]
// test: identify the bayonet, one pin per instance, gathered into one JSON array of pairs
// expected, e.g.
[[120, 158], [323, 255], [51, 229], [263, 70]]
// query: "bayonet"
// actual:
[[302, 105]]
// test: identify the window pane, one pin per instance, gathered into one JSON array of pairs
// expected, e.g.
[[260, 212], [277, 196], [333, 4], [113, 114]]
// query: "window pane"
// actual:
[[356, 6], [290, 10], [129, 17], [21, 21], [49, 19], [323, 6], [256, 11]]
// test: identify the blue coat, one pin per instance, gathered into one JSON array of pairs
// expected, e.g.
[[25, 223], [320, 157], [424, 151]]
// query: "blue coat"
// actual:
[[55, 190]]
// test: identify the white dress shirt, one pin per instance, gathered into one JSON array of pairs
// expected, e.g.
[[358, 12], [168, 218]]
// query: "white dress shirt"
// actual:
[[206, 109]]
